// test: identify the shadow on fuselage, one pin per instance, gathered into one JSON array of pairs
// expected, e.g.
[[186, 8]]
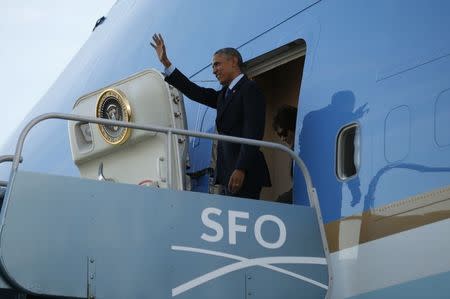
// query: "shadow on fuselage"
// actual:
[[317, 145]]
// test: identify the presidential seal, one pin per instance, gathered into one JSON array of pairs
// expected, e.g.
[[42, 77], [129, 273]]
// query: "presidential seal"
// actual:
[[112, 104]]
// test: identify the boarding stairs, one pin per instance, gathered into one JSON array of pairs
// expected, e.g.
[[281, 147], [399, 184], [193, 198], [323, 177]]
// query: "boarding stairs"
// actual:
[[70, 237]]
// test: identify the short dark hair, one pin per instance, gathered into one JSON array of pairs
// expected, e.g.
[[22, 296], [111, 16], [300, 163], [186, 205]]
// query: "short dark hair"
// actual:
[[232, 52], [285, 118]]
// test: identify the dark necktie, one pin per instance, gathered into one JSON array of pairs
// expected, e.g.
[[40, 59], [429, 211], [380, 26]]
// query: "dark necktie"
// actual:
[[227, 95]]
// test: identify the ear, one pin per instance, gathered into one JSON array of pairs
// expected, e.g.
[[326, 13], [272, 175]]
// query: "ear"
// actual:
[[235, 62]]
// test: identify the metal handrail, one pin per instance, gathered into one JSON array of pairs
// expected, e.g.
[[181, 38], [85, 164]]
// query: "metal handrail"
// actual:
[[7, 158], [312, 195], [166, 130]]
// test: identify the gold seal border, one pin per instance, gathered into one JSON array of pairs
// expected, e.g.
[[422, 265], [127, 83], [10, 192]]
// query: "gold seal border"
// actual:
[[126, 108]]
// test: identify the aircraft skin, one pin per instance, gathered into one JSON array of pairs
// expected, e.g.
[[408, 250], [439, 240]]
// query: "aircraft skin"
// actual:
[[383, 65]]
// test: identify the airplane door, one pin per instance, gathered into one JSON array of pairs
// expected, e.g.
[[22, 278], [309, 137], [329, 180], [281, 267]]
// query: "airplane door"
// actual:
[[131, 156]]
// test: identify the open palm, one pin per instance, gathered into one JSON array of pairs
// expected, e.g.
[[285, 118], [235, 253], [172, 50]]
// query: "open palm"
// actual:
[[160, 48]]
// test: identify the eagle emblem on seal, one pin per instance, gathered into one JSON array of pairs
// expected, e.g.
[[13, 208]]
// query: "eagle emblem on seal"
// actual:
[[112, 104]]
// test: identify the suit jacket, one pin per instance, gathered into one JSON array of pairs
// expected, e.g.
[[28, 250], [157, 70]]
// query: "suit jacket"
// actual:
[[241, 115]]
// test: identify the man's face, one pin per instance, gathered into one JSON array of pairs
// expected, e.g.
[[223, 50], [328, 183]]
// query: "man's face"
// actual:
[[224, 68]]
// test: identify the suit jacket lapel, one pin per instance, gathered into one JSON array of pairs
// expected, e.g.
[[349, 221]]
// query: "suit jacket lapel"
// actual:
[[224, 105]]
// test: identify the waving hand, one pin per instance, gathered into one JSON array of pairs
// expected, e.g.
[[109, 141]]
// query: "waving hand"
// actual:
[[160, 48]]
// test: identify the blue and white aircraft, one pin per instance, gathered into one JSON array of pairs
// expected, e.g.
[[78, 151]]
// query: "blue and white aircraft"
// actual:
[[371, 81]]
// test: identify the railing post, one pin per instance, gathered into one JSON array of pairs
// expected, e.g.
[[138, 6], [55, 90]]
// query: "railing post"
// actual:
[[169, 159]]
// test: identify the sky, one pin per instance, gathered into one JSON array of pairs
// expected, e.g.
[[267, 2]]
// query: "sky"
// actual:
[[38, 38]]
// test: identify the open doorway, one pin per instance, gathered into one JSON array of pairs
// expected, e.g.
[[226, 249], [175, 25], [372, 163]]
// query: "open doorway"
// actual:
[[279, 74]]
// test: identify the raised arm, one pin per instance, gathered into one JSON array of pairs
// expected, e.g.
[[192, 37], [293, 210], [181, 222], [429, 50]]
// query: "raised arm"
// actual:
[[206, 96]]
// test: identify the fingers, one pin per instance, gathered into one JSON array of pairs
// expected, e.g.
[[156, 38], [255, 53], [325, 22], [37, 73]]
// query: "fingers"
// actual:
[[157, 43], [235, 183], [231, 185], [158, 39]]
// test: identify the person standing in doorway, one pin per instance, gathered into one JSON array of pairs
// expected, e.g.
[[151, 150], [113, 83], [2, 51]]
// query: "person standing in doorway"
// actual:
[[284, 125], [241, 109]]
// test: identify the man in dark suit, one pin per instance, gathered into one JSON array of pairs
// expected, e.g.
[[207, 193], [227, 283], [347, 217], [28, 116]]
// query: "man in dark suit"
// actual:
[[241, 107]]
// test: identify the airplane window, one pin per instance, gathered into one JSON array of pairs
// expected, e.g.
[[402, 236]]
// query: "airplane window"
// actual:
[[348, 152]]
